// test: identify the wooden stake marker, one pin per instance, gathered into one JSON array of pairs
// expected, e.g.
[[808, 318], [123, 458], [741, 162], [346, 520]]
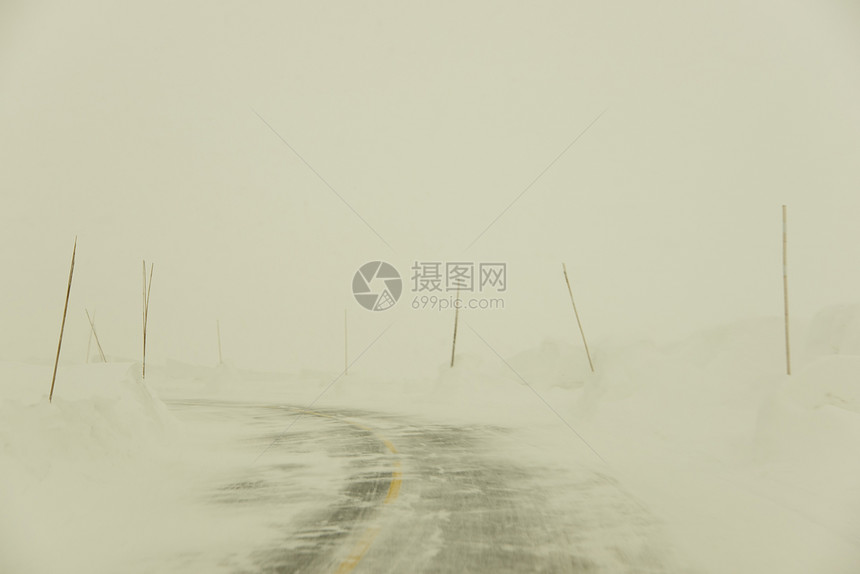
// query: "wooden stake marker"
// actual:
[[63, 324], [578, 322], [456, 320], [785, 288], [345, 346]]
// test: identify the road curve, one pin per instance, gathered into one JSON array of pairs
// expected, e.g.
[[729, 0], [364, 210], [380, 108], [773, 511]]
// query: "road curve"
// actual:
[[423, 497]]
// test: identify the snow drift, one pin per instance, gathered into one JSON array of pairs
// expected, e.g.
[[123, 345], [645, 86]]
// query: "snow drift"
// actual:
[[60, 461]]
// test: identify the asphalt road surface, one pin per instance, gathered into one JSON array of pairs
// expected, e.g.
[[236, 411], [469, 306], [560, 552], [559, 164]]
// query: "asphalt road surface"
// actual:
[[418, 497]]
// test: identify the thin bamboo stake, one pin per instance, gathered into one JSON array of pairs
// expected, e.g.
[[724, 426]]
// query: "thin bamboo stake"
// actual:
[[143, 301], [143, 323], [63, 325], [456, 320], [90, 338], [785, 287], [345, 346], [578, 322], [218, 328], [146, 291], [94, 334]]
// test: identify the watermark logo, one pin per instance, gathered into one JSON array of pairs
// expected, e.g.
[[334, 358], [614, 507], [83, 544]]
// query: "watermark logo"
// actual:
[[377, 286], [442, 285], [433, 276], [437, 285]]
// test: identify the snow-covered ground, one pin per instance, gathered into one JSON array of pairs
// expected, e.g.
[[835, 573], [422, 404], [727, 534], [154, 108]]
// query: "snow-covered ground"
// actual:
[[261, 153], [739, 468]]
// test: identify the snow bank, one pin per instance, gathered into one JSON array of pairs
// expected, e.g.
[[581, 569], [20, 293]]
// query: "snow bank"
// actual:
[[752, 470], [58, 459], [815, 413], [98, 412], [835, 331]]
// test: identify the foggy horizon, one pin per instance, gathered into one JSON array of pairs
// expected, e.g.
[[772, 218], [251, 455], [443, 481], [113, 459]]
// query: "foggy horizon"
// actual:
[[147, 131]]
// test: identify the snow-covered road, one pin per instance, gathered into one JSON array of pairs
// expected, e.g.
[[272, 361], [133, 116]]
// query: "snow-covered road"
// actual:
[[358, 491]]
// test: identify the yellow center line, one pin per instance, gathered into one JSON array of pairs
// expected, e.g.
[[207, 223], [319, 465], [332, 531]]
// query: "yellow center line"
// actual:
[[361, 548], [366, 540]]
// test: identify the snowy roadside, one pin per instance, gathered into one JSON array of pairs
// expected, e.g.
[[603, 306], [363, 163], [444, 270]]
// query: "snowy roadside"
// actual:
[[63, 463], [105, 479]]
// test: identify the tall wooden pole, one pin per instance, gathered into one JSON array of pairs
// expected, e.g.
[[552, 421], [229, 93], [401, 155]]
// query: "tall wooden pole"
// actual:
[[578, 322], [63, 324], [785, 288], [143, 323], [456, 320]]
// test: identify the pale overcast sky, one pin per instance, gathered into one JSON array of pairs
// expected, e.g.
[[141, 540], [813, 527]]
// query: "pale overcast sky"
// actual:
[[136, 126]]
